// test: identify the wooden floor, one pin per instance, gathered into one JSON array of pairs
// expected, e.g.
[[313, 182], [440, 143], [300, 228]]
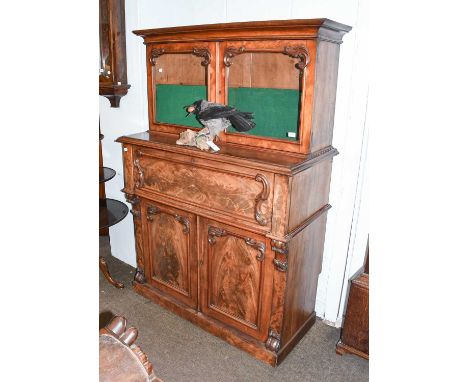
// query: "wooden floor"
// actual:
[[182, 352]]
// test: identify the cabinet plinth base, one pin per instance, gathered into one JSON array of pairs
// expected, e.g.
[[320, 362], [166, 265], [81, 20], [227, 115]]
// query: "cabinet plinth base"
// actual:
[[228, 334]]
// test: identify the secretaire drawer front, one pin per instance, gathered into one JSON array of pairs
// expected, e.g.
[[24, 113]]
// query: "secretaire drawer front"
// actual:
[[234, 190]]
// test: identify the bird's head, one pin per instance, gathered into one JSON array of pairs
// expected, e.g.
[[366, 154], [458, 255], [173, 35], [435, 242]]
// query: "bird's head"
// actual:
[[194, 108]]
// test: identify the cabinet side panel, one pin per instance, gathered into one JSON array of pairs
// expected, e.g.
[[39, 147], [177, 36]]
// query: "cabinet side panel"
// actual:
[[280, 211], [325, 94], [127, 155], [304, 266], [309, 192]]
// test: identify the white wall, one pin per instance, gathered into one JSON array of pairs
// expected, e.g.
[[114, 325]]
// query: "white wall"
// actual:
[[347, 223]]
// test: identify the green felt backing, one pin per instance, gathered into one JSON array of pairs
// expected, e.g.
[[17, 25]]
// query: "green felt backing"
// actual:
[[170, 102], [275, 110]]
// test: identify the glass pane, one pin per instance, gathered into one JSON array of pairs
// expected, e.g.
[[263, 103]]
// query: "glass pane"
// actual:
[[266, 84], [104, 43], [179, 80]]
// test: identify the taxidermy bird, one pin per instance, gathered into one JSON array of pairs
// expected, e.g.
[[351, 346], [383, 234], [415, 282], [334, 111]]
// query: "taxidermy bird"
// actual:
[[217, 117]]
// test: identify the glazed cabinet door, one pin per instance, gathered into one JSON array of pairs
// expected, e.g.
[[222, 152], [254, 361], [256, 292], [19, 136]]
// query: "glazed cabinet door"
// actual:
[[170, 251], [178, 74], [271, 79], [236, 277]]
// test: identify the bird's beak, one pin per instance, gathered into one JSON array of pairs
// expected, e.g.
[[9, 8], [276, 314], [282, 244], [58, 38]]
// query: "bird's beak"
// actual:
[[190, 109]]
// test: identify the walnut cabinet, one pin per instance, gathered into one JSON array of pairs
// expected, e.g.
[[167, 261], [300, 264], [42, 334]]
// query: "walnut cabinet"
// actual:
[[233, 241]]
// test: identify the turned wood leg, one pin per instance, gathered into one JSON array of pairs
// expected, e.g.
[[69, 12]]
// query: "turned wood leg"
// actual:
[[105, 272]]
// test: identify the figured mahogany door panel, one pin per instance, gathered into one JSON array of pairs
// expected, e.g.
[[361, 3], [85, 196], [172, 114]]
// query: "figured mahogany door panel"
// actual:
[[236, 278], [241, 193], [171, 256]]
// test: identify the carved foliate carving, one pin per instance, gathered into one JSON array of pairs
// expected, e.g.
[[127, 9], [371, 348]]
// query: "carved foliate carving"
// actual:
[[199, 52], [132, 199], [282, 266], [184, 221], [280, 247], [273, 342], [214, 232], [263, 196], [155, 53], [203, 52], [299, 52], [136, 214], [230, 52], [281, 258], [152, 210], [135, 202], [140, 182], [259, 246], [140, 276]]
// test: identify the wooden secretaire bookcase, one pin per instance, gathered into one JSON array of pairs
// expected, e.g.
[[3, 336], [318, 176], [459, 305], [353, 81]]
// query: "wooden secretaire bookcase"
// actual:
[[233, 241]]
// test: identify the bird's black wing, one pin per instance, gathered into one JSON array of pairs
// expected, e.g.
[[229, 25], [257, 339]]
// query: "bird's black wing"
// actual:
[[242, 121], [216, 111]]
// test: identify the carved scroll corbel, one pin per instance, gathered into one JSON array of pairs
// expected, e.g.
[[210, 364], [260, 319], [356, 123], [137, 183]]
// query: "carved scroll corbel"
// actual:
[[214, 232], [263, 196], [135, 202], [230, 52], [150, 211], [155, 53], [299, 52], [259, 246], [281, 257], [280, 265], [203, 52], [140, 276], [184, 221], [273, 342]]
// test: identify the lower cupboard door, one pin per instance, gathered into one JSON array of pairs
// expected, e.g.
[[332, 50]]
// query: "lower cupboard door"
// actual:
[[236, 283], [170, 251]]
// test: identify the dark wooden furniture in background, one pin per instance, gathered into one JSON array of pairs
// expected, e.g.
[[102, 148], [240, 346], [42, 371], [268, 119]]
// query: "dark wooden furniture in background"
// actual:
[[355, 332], [113, 57], [233, 241], [120, 360], [111, 212], [102, 188]]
